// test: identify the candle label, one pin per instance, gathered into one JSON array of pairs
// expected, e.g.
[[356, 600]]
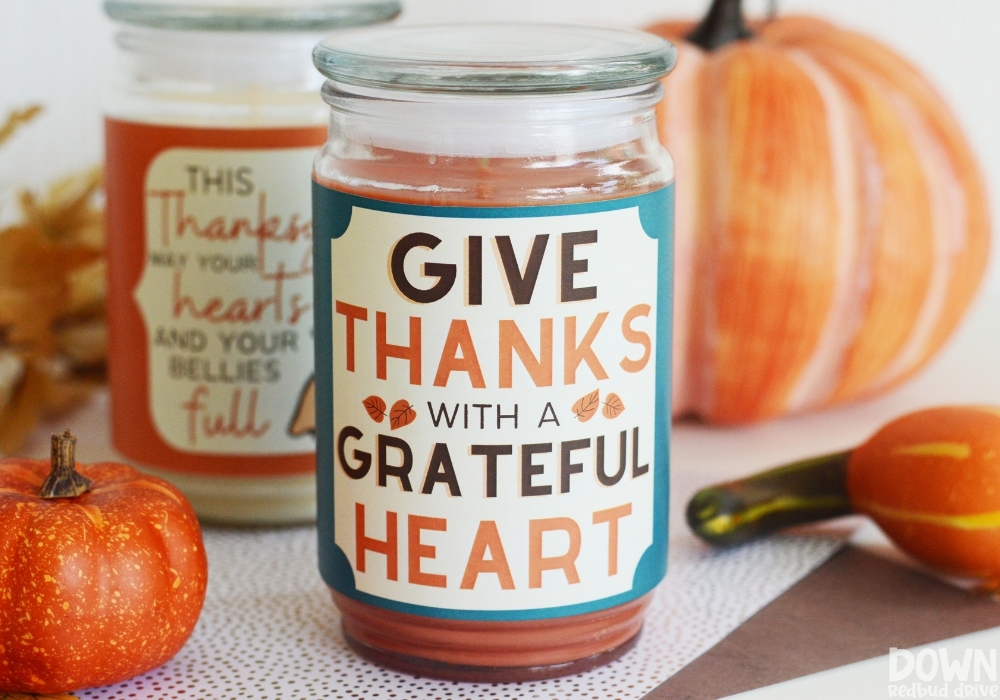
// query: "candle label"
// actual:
[[493, 403], [210, 306], [226, 296]]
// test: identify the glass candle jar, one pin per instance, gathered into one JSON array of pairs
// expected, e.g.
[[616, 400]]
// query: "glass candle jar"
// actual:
[[211, 129], [493, 256]]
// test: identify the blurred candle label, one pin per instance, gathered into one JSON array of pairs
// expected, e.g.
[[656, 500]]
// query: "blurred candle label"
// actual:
[[498, 380], [226, 297]]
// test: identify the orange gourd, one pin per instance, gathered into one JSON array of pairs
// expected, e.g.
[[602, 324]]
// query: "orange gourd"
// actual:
[[931, 480], [831, 221], [102, 573]]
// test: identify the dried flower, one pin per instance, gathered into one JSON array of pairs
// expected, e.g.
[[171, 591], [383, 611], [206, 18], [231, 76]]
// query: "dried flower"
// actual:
[[52, 333]]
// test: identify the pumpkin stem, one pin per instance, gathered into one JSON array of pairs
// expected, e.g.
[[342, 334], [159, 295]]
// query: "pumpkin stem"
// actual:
[[802, 492], [722, 25], [64, 481]]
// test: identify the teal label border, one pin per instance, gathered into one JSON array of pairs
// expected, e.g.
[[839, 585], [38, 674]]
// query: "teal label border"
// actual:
[[332, 211]]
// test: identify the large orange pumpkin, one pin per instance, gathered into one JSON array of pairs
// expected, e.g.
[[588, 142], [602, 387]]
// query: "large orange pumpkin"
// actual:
[[831, 220]]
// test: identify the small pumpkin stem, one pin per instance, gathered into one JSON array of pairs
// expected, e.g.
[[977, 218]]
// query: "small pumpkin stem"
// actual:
[[722, 25], [64, 481]]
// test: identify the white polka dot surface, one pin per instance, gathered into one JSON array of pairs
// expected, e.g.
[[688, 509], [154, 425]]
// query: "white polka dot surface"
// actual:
[[270, 631]]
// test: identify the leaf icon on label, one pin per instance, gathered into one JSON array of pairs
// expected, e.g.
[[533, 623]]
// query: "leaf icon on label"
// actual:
[[402, 414], [586, 407], [613, 406], [304, 421], [375, 407]]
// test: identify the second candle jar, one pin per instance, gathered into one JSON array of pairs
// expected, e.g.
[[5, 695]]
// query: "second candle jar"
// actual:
[[493, 219], [211, 130]]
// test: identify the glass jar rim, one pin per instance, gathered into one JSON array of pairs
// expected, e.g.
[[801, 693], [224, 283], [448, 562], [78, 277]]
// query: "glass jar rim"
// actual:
[[506, 58], [252, 15]]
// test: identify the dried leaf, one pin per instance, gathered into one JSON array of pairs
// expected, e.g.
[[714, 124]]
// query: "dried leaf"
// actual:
[[27, 317], [28, 258], [69, 213], [17, 119], [86, 288], [402, 414], [84, 344], [375, 407], [67, 394], [613, 406], [52, 300], [11, 372], [586, 407]]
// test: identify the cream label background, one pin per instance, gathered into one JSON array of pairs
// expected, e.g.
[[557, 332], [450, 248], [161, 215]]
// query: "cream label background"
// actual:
[[622, 265], [226, 296]]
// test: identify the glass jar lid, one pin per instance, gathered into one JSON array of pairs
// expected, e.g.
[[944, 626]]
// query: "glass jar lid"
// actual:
[[495, 58], [252, 15]]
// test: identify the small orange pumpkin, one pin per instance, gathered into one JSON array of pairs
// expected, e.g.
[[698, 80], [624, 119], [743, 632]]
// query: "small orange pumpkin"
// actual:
[[831, 222], [102, 573], [931, 480]]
